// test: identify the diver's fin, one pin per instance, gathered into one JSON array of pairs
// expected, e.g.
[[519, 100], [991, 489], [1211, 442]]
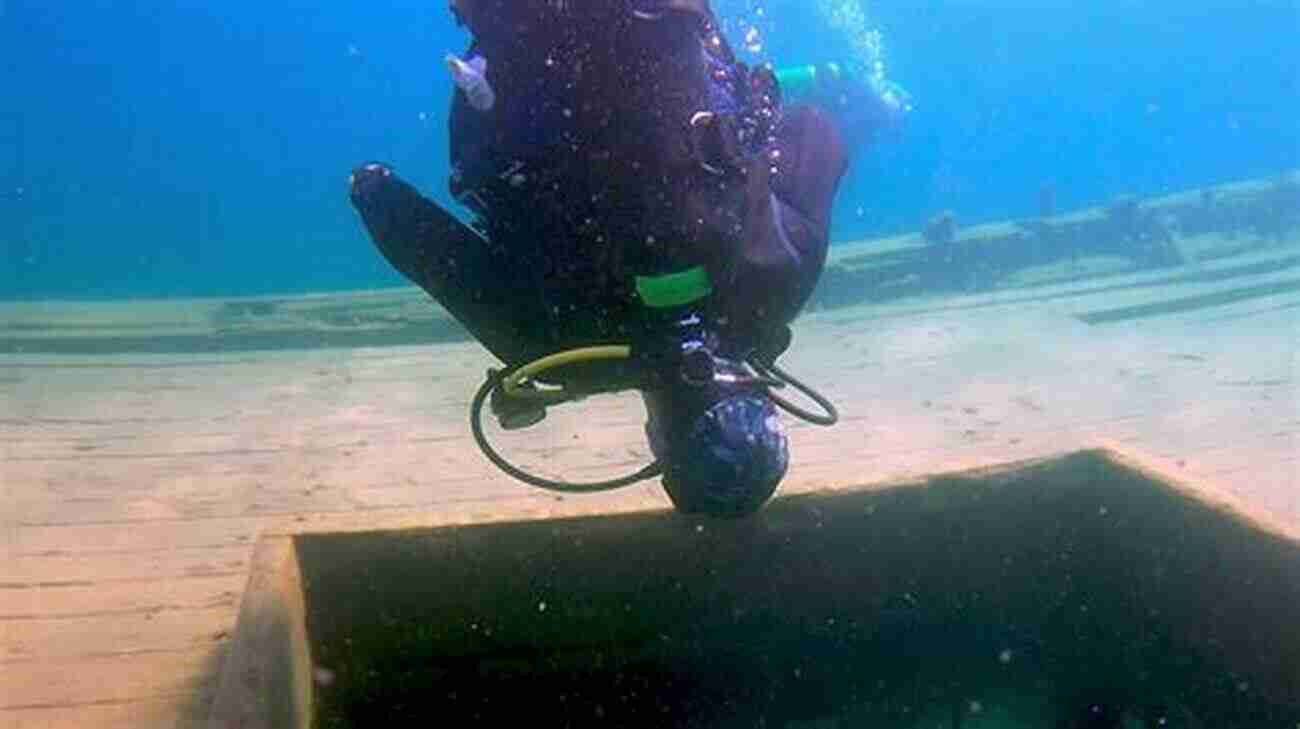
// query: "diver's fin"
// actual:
[[448, 259]]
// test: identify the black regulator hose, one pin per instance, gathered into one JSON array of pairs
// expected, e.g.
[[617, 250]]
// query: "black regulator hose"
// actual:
[[830, 417], [494, 381]]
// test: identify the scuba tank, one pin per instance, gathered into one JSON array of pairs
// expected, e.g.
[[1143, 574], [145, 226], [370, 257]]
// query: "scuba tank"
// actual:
[[798, 81]]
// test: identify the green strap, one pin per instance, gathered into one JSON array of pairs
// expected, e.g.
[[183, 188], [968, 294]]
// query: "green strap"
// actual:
[[674, 289]]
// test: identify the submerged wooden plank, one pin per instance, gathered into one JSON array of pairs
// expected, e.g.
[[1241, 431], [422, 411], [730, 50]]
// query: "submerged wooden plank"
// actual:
[[1191, 303], [70, 683], [267, 681], [181, 711], [85, 599], [143, 566], [114, 635]]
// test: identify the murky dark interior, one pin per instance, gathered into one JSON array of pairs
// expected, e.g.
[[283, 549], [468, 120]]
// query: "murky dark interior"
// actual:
[[1068, 594]]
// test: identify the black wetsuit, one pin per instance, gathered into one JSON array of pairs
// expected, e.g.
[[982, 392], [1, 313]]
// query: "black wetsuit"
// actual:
[[623, 142]]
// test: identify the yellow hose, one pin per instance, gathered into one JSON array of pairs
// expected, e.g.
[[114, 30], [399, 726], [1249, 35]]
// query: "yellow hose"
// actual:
[[514, 383]]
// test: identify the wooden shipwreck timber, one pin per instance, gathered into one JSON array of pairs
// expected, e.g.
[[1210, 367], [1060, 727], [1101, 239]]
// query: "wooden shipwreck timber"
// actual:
[[1098, 442], [1130, 234], [1227, 224]]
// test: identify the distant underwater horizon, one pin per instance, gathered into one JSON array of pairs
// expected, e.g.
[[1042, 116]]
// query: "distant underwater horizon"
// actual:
[[185, 149]]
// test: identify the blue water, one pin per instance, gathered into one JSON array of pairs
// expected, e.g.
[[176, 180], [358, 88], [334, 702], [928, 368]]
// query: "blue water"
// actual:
[[183, 148]]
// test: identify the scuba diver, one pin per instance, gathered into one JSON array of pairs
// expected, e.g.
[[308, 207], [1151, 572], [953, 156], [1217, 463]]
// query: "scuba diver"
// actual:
[[647, 215]]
